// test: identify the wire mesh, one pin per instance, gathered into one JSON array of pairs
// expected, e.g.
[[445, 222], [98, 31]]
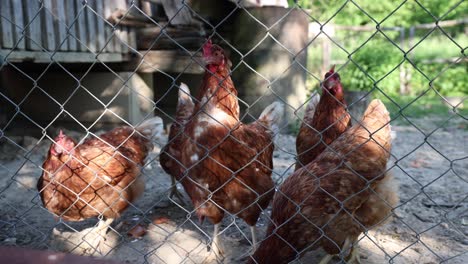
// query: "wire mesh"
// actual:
[[93, 66]]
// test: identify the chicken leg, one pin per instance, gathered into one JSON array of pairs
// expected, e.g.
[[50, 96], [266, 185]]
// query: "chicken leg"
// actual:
[[216, 246], [326, 259], [96, 236], [176, 192], [216, 249], [253, 230]]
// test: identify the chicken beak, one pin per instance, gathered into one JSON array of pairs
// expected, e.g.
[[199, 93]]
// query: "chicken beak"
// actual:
[[328, 84], [209, 60]]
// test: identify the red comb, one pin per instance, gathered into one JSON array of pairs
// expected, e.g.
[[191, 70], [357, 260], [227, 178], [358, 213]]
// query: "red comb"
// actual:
[[207, 47]]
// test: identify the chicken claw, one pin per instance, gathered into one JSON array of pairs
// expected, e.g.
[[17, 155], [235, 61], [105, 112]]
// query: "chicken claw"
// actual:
[[216, 249], [326, 259], [354, 256]]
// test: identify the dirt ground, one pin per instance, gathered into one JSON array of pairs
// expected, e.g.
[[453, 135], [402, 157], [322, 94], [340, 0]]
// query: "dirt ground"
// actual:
[[430, 223]]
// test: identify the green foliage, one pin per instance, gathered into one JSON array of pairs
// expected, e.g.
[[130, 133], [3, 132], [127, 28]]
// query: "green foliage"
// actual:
[[411, 13], [448, 82], [373, 62], [376, 60]]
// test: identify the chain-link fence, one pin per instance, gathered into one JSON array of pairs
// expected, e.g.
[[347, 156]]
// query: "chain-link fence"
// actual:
[[71, 71]]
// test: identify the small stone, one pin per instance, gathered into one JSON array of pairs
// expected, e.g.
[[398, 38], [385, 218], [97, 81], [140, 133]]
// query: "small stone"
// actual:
[[464, 221], [10, 241], [137, 232]]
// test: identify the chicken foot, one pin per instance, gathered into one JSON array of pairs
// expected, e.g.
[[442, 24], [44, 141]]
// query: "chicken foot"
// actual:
[[354, 255], [244, 258], [96, 236]]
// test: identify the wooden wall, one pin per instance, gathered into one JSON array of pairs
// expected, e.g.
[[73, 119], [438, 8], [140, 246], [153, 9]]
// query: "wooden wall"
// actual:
[[30, 27]]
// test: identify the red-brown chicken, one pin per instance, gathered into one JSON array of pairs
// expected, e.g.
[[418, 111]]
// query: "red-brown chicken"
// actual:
[[170, 156], [324, 122], [99, 177], [229, 163], [332, 200]]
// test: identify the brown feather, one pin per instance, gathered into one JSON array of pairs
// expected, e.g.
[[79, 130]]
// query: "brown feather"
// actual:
[[332, 193], [230, 162], [170, 155], [321, 126], [99, 177]]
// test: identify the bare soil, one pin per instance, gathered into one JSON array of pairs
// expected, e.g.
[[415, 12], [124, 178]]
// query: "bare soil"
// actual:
[[429, 226]]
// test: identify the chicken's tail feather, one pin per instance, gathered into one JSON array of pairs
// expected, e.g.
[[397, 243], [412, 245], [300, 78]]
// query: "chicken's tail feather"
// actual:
[[185, 104], [184, 95], [151, 128], [271, 116], [376, 120], [314, 100]]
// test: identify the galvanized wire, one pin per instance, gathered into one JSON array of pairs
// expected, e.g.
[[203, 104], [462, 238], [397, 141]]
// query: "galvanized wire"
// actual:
[[10, 226]]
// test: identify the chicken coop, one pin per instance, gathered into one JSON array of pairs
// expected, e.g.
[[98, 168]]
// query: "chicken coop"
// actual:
[[233, 131]]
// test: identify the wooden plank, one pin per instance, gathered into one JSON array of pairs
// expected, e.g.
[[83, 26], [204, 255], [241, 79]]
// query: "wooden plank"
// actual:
[[122, 32], [118, 43], [72, 24], [146, 8], [169, 61], [48, 40], [446, 23], [124, 38], [107, 28], [363, 28], [120, 4], [177, 13], [34, 30], [188, 39], [60, 24], [91, 26], [60, 56], [7, 26], [132, 38], [82, 32], [101, 41], [19, 25]]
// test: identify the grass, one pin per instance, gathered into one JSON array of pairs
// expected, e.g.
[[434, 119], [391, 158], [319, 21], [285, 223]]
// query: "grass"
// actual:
[[422, 107], [429, 49], [425, 107]]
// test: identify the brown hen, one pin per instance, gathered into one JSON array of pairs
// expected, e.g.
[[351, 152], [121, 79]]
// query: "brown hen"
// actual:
[[323, 122], [97, 178], [229, 163], [332, 200]]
